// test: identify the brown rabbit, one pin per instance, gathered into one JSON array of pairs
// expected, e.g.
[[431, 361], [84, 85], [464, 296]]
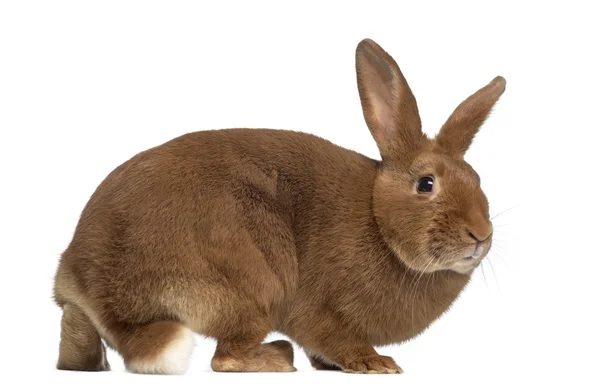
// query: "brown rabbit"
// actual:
[[235, 233]]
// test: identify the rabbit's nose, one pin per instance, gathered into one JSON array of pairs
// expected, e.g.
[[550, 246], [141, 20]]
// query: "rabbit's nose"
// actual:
[[480, 232]]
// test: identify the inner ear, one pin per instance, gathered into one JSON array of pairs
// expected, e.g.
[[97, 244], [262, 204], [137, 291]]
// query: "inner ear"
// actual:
[[385, 88], [376, 83]]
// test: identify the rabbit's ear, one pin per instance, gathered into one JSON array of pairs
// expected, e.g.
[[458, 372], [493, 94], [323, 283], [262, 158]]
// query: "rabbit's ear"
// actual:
[[389, 106], [458, 132]]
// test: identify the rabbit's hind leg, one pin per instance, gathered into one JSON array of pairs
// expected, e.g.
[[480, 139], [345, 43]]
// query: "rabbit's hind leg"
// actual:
[[81, 348]]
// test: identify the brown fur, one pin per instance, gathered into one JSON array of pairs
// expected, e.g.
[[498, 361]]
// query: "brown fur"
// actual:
[[235, 233]]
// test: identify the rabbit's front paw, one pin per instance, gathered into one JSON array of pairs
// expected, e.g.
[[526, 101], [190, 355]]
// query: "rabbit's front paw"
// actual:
[[373, 364]]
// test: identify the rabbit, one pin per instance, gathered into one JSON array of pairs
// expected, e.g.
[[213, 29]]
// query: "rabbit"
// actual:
[[235, 233]]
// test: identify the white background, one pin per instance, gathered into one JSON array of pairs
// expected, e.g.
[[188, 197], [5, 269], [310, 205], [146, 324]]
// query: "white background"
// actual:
[[86, 85]]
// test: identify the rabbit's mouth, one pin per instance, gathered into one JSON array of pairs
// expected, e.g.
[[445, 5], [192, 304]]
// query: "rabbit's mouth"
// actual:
[[477, 252], [466, 265], [472, 258]]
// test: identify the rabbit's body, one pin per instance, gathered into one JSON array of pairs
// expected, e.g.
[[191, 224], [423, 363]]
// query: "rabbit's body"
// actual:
[[215, 227], [235, 233]]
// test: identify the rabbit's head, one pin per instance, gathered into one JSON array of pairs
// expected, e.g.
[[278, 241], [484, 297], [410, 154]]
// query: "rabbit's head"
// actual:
[[427, 200]]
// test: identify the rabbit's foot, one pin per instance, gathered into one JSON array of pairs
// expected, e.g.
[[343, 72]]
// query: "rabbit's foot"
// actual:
[[373, 364], [284, 348], [277, 356]]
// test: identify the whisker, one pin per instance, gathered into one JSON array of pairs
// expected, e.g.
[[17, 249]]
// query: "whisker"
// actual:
[[504, 211], [497, 247], [495, 252], [484, 278], [494, 273]]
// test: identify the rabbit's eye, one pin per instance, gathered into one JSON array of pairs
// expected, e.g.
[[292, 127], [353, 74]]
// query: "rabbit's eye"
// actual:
[[425, 185]]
